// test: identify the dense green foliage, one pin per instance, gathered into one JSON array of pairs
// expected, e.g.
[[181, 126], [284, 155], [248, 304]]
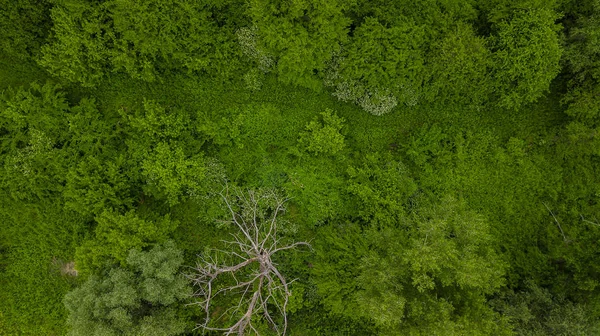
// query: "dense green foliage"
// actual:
[[442, 157]]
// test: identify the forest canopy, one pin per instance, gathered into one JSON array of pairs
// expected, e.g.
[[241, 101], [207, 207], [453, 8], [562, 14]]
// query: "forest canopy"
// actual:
[[299, 167]]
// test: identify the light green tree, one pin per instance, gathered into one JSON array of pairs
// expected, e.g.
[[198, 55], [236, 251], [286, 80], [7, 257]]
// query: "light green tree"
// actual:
[[115, 235], [162, 143], [526, 52], [136, 299], [91, 40], [301, 35], [428, 274], [459, 66], [324, 137]]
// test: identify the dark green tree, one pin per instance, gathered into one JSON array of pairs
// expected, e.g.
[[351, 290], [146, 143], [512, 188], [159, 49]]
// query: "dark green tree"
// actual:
[[115, 235], [535, 311], [33, 124], [581, 56], [24, 27]]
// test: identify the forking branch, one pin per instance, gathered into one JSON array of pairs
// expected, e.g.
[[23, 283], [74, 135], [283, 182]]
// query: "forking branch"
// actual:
[[253, 276]]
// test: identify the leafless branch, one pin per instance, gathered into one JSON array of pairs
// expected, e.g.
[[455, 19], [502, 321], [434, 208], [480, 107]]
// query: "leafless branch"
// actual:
[[557, 223], [255, 277], [589, 222]]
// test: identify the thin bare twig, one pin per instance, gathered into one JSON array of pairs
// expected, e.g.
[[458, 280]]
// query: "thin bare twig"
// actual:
[[557, 223], [589, 222]]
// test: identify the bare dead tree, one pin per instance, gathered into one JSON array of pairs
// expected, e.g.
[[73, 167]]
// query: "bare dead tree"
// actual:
[[247, 272]]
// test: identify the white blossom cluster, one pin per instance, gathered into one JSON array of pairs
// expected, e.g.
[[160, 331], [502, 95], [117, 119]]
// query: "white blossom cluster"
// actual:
[[376, 102], [20, 162], [39, 143], [332, 75], [248, 41], [348, 91], [215, 175], [252, 79]]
